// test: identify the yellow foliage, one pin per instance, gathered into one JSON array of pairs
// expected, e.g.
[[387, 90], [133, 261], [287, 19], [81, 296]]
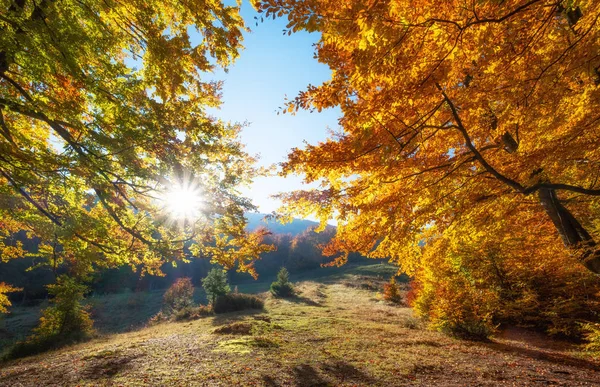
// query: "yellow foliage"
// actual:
[[4, 301]]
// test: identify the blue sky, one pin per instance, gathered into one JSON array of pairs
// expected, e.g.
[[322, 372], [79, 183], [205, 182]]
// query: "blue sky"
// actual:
[[270, 67]]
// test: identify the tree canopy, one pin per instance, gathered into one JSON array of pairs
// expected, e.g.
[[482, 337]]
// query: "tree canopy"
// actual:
[[462, 120], [103, 107]]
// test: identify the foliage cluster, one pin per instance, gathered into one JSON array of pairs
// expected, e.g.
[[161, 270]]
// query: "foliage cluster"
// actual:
[[64, 322], [592, 336], [179, 296], [215, 284], [471, 283], [282, 287], [98, 120], [391, 291], [467, 152], [4, 301]]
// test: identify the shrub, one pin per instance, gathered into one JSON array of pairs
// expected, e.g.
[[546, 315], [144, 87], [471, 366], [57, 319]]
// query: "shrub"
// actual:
[[215, 284], [193, 313], [282, 286], [391, 291], [236, 302], [65, 322], [473, 277], [592, 336], [179, 296], [469, 329], [158, 318]]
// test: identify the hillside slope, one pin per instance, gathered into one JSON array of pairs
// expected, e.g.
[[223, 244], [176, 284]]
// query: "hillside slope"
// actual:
[[333, 334]]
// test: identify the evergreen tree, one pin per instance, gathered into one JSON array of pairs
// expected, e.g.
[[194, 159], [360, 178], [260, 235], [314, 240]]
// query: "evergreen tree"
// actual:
[[282, 287], [215, 284]]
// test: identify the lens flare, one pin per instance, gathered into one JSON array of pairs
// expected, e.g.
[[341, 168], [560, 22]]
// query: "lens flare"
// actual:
[[183, 202]]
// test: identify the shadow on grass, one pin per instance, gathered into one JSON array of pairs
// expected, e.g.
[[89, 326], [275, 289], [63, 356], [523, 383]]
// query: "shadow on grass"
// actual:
[[550, 357], [307, 375], [106, 368], [327, 374], [227, 318], [269, 381], [14, 377], [346, 372], [303, 300]]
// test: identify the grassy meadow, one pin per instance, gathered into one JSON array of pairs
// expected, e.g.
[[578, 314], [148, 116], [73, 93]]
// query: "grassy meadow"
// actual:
[[123, 312], [337, 332]]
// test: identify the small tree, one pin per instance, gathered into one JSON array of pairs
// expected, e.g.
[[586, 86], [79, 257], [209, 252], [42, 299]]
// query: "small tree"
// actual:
[[180, 295], [391, 291], [282, 286], [215, 284], [64, 322]]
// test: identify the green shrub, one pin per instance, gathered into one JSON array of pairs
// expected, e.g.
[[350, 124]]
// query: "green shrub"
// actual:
[[179, 296], [467, 330], [282, 287], [66, 321], [236, 302], [215, 284]]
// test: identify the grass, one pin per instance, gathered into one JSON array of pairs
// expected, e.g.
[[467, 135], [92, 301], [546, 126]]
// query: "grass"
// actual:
[[331, 334], [128, 311]]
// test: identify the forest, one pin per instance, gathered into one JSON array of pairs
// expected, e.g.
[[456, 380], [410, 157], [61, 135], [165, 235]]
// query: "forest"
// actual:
[[448, 221]]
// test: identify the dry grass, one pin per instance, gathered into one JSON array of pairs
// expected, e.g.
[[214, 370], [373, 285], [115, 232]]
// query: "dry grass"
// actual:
[[332, 334]]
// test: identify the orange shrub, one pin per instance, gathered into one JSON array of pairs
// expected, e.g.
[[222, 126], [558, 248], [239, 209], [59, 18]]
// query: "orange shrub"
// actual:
[[391, 291], [180, 295]]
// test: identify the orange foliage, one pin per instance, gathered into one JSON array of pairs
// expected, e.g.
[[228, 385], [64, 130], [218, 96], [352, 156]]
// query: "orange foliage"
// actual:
[[467, 153], [391, 291]]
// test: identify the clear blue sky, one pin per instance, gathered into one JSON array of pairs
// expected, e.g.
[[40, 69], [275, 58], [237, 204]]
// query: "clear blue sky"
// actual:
[[270, 67]]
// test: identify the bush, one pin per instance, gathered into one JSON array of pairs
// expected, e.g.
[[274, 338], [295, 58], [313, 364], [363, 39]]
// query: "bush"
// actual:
[[592, 336], [236, 302], [469, 330], [65, 322], [179, 296], [472, 279], [193, 313], [391, 291], [282, 286], [215, 284]]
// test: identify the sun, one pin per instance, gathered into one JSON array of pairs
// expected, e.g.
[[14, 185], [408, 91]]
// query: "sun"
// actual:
[[183, 201]]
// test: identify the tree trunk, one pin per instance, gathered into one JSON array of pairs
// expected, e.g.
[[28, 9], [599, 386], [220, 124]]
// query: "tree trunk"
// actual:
[[573, 234]]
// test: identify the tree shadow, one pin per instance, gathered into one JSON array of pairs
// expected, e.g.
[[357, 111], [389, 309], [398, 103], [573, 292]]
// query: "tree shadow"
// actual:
[[304, 300], [108, 367], [268, 381], [345, 372], [328, 373], [547, 356], [230, 317], [307, 375]]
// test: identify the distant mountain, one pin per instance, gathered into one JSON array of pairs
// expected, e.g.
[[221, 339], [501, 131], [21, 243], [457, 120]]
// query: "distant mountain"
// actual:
[[297, 226]]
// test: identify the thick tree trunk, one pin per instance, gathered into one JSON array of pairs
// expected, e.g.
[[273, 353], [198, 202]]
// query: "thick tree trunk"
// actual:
[[573, 234]]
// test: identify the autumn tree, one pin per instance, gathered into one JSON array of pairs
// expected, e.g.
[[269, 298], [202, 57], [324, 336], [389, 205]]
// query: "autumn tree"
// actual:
[[103, 110], [452, 111]]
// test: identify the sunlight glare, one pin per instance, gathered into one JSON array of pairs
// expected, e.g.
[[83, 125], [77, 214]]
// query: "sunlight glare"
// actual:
[[183, 202]]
